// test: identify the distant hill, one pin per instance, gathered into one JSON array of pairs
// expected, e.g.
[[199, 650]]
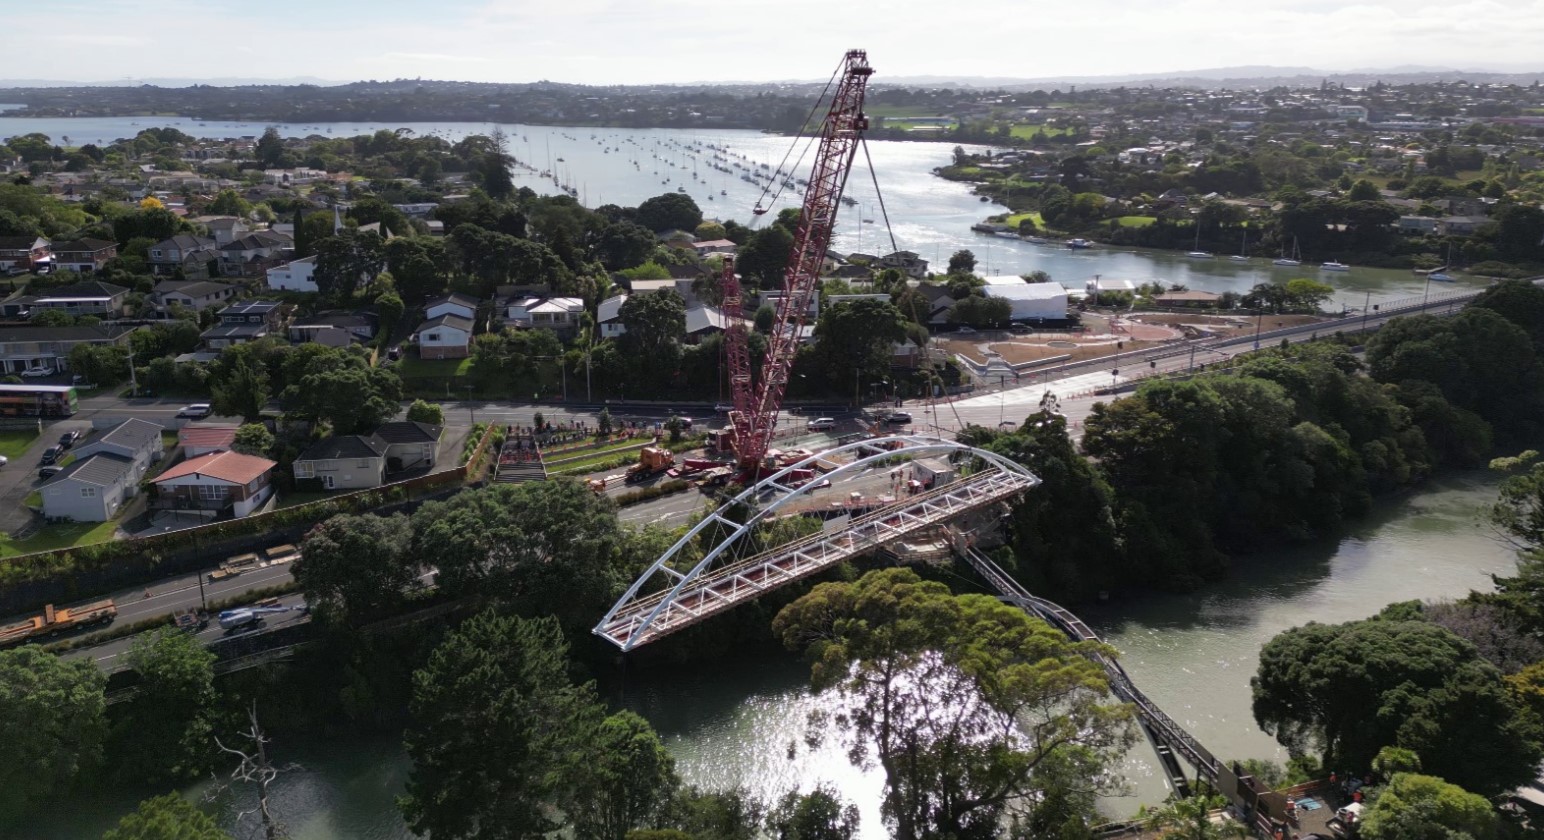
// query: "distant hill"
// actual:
[[167, 83], [1251, 76]]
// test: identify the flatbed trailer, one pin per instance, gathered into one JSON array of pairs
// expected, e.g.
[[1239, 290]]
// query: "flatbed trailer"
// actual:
[[57, 620]]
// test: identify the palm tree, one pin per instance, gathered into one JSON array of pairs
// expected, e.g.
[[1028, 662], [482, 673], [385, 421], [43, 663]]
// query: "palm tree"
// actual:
[[1191, 819]]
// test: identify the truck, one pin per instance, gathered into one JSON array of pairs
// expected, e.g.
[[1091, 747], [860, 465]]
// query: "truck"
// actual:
[[57, 620], [235, 566], [244, 617], [652, 460]]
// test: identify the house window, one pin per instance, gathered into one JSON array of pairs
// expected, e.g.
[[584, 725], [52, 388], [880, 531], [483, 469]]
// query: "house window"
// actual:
[[88, 492], [303, 469], [212, 492], [362, 463], [432, 338]]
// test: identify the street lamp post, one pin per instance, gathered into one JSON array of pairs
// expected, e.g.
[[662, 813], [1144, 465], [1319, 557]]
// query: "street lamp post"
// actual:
[[471, 409], [1259, 318], [1366, 310]]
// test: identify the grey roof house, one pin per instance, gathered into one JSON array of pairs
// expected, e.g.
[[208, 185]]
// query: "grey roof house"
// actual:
[[410, 445], [138, 441], [353, 462], [91, 489]]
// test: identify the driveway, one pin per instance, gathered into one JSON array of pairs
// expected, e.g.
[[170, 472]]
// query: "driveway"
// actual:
[[20, 476]]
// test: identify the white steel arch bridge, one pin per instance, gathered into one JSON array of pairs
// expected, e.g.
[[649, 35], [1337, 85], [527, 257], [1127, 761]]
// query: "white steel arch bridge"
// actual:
[[666, 599]]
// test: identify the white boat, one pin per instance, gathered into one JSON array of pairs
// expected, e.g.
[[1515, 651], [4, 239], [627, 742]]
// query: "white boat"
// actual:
[[1334, 266], [1239, 258], [1295, 259], [1078, 244], [1243, 246], [1198, 255]]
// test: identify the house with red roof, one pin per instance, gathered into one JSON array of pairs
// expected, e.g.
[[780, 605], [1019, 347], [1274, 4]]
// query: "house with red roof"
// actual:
[[196, 439], [215, 485]]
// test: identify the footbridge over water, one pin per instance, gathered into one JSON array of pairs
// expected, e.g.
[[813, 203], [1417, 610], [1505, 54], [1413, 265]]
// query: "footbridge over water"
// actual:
[[666, 598]]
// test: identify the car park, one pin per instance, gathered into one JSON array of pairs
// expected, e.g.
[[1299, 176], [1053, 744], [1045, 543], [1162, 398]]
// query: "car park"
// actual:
[[196, 411], [51, 455], [821, 424]]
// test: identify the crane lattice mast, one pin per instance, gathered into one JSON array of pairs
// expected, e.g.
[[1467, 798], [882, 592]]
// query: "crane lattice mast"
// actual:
[[756, 405]]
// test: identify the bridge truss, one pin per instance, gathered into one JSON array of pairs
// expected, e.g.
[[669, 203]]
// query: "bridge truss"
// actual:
[[666, 598]]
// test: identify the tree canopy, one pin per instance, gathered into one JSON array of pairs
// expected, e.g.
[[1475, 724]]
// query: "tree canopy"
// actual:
[[52, 724], [166, 817]]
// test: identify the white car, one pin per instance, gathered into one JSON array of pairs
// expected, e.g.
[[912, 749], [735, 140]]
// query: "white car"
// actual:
[[821, 424], [196, 411], [37, 372]]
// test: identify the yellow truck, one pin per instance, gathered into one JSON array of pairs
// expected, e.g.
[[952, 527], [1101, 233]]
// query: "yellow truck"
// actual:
[[57, 620]]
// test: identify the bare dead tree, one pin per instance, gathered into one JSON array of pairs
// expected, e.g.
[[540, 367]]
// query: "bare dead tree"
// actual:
[[255, 768]]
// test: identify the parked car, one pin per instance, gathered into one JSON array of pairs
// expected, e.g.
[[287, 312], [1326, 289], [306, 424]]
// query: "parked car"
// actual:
[[37, 372], [49, 472], [196, 411], [51, 455], [965, 331], [898, 418], [820, 424], [723, 408], [68, 439], [4, 460]]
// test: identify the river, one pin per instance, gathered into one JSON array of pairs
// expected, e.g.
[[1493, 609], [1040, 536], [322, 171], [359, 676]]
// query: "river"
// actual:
[[734, 724], [927, 215]]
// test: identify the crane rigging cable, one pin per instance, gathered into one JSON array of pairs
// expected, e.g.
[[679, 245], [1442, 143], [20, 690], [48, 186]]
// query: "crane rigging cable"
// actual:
[[781, 173]]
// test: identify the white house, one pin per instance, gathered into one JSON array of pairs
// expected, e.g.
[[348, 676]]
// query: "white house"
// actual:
[[559, 314], [136, 441], [1030, 301], [609, 315], [294, 276], [89, 490], [444, 337]]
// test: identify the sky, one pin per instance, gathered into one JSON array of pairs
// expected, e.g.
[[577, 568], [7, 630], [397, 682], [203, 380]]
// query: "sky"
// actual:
[[676, 41]]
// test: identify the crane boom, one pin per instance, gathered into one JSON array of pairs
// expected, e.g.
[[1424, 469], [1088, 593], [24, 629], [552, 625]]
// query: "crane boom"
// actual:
[[757, 406]]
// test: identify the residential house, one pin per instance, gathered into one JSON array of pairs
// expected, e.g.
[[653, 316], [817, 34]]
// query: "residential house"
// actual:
[[344, 462], [225, 229], [609, 315], [252, 255], [197, 295], [89, 297], [83, 255], [334, 329], [27, 346], [907, 262], [137, 440], [445, 337], [714, 246], [453, 304], [559, 314], [1418, 224], [218, 483], [192, 255], [1462, 225], [198, 439], [21, 253], [409, 445], [294, 276], [939, 305], [91, 489], [775, 300], [703, 321], [244, 322]]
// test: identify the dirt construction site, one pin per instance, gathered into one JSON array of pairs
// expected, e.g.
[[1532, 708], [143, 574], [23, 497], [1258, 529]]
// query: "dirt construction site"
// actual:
[[1104, 334]]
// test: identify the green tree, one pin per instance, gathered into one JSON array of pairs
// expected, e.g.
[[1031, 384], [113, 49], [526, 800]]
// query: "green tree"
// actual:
[[100, 364], [1417, 807], [496, 728], [959, 699], [253, 439], [549, 547], [52, 725], [241, 389], [426, 412], [1306, 294], [229, 203], [168, 817], [337, 386], [270, 148], [357, 569], [1190, 818], [962, 262], [817, 815], [670, 211], [858, 335], [165, 734], [656, 324], [346, 260], [626, 781], [1364, 190], [1352, 689], [389, 309], [764, 257], [624, 245], [1518, 301]]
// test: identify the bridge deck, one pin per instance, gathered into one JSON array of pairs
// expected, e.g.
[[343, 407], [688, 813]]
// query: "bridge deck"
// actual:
[[747, 578]]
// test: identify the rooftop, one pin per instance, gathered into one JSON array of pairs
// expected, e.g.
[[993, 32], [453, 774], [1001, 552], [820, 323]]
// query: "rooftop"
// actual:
[[132, 433], [232, 467], [343, 446], [103, 469], [407, 431]]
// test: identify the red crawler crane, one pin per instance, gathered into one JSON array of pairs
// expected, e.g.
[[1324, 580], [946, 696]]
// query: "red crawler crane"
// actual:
[[756, 405]]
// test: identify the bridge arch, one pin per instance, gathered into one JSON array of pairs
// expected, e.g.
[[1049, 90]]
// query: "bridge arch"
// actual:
[[635, 618]]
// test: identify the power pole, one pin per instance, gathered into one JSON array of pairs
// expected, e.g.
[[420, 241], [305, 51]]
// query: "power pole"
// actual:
[[133, 381]]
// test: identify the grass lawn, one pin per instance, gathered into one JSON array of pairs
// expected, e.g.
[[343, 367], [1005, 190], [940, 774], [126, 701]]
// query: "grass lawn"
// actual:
[[12, 444], [1024, 132], [1136, 221], [34, 499], [412, 367], [292, 499], [1014, 220], [889, 111], [59, 536]]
